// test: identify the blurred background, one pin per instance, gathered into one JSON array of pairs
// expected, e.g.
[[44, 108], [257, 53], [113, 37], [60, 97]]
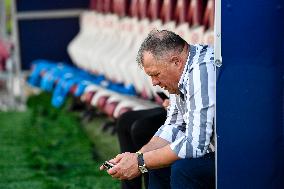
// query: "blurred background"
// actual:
[[68, 71]]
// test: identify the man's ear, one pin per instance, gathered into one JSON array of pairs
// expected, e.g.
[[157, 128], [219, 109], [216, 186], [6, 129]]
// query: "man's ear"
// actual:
[[176, 61]]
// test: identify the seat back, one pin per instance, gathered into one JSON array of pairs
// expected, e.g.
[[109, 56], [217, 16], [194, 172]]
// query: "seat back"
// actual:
[[154, 9], [181, 19], [194, 17], [208, 23], [180, 13], [143, 9], [167, 11]]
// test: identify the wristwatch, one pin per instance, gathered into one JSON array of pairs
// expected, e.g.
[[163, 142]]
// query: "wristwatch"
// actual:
[[141, 164]]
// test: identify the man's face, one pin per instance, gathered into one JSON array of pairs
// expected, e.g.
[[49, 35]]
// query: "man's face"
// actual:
[[164, 73]]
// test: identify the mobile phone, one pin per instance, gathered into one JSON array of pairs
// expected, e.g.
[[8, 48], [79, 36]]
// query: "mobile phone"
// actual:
[[108, 165], [162, 95]]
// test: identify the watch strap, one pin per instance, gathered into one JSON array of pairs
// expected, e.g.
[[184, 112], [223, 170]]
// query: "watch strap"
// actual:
[[141, 163]]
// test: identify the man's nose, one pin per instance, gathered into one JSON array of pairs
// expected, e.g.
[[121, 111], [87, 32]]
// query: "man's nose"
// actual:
[[155, 82]]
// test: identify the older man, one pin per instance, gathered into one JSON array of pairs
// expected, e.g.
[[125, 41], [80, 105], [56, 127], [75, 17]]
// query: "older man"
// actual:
[[180, 154]]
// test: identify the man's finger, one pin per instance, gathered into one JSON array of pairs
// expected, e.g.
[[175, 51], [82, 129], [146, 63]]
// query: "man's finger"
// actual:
[[116, 159], [116, 175], [112, 171], [102, 167]]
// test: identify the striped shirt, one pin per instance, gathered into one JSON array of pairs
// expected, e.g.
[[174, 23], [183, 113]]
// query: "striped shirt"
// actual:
[[189, 123]]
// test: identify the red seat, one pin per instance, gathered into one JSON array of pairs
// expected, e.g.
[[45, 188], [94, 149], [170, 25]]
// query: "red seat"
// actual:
[[122, 7], [93, 4], [167, 11], [208, 18], [154, 9], [110, 107], [4, 54], [88, 96], [143, 8], [102, 102], [134, 8], [107, 6], [180, 14], [208, 23], [99, 5], [195, 11]]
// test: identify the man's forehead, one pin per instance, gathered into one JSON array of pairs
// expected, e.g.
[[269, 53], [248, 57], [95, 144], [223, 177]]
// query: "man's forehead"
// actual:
[[148, 56], [150, 65], [148, 59]]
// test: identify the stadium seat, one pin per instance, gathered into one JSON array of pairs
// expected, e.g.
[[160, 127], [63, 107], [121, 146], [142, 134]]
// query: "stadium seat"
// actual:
[[194, 17], [208, 22]]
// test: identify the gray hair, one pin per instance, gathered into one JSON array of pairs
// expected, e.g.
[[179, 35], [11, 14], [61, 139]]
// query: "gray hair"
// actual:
[[159, 44]]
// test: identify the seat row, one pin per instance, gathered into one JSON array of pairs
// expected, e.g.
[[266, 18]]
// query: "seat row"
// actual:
[[62, 79], [105, 52]]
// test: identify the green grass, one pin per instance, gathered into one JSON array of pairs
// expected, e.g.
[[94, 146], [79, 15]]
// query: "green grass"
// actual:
[[46, 148], [104, 141]]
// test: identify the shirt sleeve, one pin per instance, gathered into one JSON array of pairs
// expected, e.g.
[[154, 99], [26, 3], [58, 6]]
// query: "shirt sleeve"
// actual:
[[200, 110], [169, 130]]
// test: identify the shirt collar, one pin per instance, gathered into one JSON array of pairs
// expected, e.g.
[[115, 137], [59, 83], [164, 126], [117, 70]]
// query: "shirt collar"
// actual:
[[182, 80]]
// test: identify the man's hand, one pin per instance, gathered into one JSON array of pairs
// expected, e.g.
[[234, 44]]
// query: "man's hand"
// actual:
[[126, 167], [166, 103]]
